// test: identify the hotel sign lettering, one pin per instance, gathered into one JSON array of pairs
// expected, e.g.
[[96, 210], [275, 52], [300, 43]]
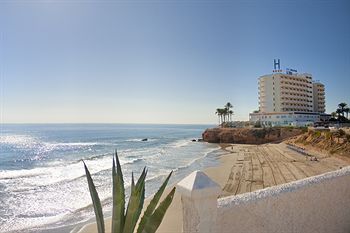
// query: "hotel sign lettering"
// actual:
[[276, 66]]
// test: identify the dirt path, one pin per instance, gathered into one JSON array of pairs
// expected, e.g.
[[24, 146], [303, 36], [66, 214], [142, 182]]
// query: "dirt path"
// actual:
[[257, 167]]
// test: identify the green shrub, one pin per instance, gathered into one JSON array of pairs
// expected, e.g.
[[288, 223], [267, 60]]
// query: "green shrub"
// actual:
[[259, 133], [328, 135], [304, 129], [316, 134], [125, 221], [257, 124]]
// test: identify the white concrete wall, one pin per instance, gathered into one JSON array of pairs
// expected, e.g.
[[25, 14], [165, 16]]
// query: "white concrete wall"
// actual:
[[318, 204]]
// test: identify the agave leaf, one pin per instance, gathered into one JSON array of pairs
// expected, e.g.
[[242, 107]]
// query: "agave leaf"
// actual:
[[142, 177], [118, 197], [96, 202], [132, 182], [158, 215], [135, 204], [152, 205]]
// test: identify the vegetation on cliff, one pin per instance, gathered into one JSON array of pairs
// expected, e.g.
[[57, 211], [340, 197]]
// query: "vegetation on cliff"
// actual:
[[332, 142]]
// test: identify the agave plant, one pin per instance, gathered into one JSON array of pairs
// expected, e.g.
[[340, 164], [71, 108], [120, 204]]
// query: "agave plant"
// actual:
[[126, 221]]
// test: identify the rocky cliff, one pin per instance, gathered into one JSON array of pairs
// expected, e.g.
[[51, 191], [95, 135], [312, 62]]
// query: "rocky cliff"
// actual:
[[249, 135]]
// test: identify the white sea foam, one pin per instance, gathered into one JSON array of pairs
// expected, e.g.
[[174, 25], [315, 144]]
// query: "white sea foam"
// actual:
[[180, 143], [48, 175], [55, 190], [19, 141], [40, 147]]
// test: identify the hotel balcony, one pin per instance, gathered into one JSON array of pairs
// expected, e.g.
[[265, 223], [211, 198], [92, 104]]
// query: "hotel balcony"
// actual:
[[298, 90], [295, 84]]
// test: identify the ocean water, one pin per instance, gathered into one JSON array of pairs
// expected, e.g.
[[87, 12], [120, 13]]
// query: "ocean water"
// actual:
[[43, 187]]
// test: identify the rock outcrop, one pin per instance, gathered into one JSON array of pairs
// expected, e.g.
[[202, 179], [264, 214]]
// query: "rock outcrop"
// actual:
[[249, 135]]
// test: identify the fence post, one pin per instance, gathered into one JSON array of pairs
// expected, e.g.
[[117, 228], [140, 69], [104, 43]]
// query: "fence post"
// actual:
[[199, 203]]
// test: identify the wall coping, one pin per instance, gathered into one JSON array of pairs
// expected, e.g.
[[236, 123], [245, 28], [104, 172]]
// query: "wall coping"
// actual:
[[227, 202]]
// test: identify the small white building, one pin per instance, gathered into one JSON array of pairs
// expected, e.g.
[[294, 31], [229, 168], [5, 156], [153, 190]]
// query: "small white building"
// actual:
[[285, 118]]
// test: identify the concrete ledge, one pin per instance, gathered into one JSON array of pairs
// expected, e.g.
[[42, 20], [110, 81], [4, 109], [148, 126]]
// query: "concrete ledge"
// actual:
[[316, 204], [277, 190]]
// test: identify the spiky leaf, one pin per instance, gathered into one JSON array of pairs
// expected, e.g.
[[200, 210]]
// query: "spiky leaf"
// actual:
[[152, 205], [118, 197], [158, 215], [135, 204], [96, 202], [132, 182]]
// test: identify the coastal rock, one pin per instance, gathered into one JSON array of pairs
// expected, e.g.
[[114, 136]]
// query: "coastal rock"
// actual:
[[249, 135]]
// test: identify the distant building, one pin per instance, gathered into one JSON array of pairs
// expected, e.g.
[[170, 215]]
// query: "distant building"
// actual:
[[289, 99], [319, 97], [284, 93]]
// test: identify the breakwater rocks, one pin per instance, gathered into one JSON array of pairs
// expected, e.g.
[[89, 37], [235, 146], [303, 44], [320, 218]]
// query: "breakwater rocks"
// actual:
[[250, 135]]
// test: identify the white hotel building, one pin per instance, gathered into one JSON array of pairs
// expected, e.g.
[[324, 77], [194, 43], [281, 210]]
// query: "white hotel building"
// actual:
[[289, 99]]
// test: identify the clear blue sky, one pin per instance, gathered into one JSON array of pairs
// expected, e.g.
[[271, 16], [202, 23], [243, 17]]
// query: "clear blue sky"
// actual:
[[162, 61]]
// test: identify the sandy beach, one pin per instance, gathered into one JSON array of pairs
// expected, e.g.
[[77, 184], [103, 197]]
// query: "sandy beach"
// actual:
[[246, 168]]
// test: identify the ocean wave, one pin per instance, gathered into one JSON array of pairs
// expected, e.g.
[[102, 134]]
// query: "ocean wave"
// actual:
[[180, 143], [38, 146], [20, 140], [18, 223], [208, 152], [59, 190], [49, 175]]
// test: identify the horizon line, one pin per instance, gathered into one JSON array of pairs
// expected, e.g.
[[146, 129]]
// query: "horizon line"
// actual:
[[106, 123]]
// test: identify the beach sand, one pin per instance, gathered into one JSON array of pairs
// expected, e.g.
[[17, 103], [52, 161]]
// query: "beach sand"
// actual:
[[245, 168]]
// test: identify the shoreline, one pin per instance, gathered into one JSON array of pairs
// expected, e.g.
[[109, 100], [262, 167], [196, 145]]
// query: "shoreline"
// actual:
[[172, 221], [238, 172]]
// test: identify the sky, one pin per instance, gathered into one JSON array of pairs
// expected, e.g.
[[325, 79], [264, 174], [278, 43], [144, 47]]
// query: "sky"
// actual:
[[162, 61]]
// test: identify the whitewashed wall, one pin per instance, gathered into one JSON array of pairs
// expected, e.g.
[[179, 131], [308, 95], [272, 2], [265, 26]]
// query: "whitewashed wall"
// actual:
[[318, 204]]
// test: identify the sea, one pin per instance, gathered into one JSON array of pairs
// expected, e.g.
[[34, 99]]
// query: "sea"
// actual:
[[43, 187]]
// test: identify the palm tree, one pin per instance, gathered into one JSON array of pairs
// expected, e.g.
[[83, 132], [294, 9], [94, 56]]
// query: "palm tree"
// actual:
[[339, 111], [228, 107], [342, 107], [218, 112], [225, 114], [231, 114], [347, 110]]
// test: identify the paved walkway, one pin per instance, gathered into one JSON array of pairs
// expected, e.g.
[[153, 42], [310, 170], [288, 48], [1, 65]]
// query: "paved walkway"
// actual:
[[258, 167]]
